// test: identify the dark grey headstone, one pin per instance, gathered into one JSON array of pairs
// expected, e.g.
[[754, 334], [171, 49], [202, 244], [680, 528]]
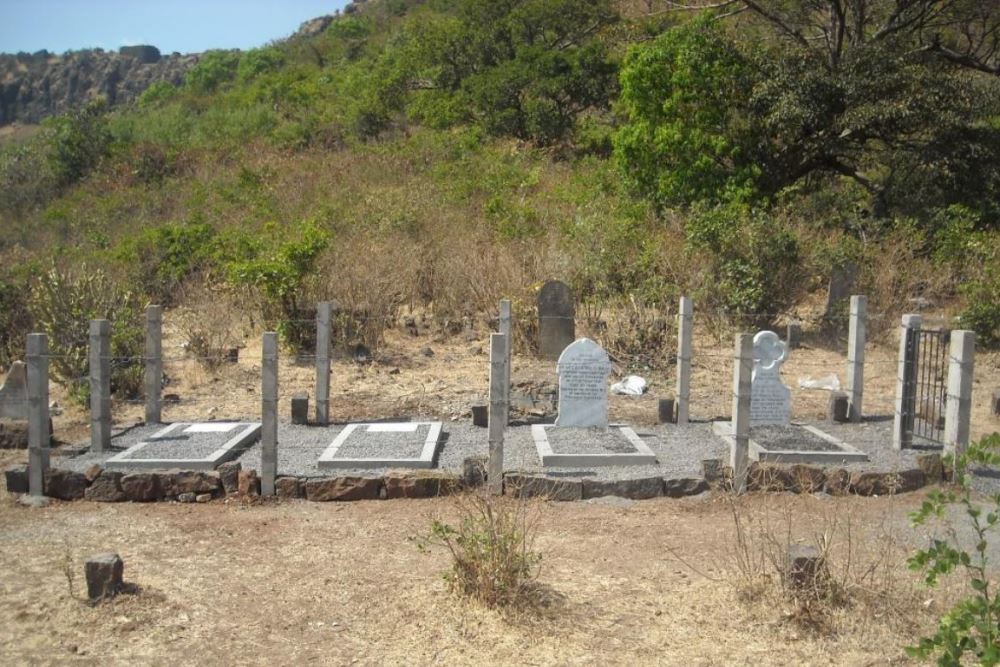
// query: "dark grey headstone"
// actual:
[[556, 323], [995, 404], [839, 407], [666, 413], [300, 408], [841, 284]]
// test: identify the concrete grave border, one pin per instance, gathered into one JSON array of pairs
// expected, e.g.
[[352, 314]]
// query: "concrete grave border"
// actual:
[[643, 454], [760, 453], [327, 459], [227, 452]]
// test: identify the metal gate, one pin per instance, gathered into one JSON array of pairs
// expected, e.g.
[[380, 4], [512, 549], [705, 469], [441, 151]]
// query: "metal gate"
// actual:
[[925, 385]]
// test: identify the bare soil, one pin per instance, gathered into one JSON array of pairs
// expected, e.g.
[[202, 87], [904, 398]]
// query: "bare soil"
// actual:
[[343, 583]]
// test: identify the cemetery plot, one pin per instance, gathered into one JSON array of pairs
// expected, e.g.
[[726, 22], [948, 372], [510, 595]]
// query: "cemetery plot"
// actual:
[[190, 446], [794, 443], [569, 446], [392, 445]]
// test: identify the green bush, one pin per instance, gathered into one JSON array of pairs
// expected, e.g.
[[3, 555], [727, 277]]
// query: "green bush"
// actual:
[[78, 141], [971, 628], [255, 62], [160, 259], [214, 68], [157, 94], [62, 305]]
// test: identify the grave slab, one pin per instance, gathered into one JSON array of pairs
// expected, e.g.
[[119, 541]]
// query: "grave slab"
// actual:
[[590, 447], [794, 443], [383, 445], [189, 446]]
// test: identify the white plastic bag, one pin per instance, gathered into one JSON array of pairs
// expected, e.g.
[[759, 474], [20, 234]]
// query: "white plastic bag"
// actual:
[[633, 385], [829, 382]]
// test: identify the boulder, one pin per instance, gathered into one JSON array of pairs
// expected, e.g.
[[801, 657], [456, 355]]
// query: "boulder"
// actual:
[[636, 489], [474, 471], [248, 483], [417, 485], [142, 487], [288, 487], [186, 497], [767, 477], [344, 488], [932, 467], [543, 486], [229, 475], [92, 473], [106, 488], [176, 482], [713, 471], [806, 478], [684, 486], [13, 434], [886, 483], [203, 497], [838, 482], [104, 575], [17, 479], [65, 484]]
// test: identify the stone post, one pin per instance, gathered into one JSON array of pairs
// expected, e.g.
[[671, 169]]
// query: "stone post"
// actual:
[[269, 414], [906, 382], [37, 356], [685, 324], [498, 411], [323, 311], [958, 406], [100, 385], [154, 364], [856, 357], [742, 372], [507, 329]]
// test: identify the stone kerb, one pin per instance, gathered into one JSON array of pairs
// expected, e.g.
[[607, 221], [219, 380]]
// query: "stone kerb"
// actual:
[[583, 369], [556, 319], [770, 399]]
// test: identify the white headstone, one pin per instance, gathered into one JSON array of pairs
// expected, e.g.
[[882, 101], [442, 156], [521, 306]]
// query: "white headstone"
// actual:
[[770, 400], [583, 369]]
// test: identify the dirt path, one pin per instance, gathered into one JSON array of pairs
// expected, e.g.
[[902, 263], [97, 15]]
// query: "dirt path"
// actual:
[[301, 583]]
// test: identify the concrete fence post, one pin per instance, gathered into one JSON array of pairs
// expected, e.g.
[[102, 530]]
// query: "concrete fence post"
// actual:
[[498, 411], [856, 357], [323, 314], [507, 329], [154, 364], [269, 414], [685, 327], [100, 385], [906, 382], [37, 357], [958, 405], [742, 373]]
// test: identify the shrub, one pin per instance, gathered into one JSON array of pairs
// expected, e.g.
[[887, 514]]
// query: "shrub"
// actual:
[[159, 259], [493, 560], [971, 627], [15, 319], [78, 141], [63, 304], [213, 69]]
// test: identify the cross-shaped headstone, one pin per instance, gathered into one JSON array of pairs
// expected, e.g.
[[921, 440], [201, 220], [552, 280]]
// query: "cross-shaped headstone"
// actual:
[[770, 400], [769, 352]]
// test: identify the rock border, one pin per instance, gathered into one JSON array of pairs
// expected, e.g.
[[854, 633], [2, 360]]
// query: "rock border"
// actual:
[[98, 484]]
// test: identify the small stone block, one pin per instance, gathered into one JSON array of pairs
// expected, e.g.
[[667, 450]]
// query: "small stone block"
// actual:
[[474, 471], [186, 498], [480, 415], [805, 569], [104, 575], [107, 488], [65, 484], [17, 479], [665, 411], [685, 486], [838, 409], [793, 335], [203, 497], [229, 474], [141, 487], [300, 408], [995, 403], [344, 488], [635, 489], [712, 471], [419, 485], [288, 487], [248, 483]]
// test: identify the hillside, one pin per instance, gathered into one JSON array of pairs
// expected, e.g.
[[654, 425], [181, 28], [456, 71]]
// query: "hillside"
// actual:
[[446, 154]]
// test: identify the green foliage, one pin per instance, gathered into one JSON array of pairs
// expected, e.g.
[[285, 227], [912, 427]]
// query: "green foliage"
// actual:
[[78, 141], [26, 181], [255, 62], [493, 561], [158, 93], [687, 137], [214, 68], [972, 627], [62, 305], [754, 259], [160, 259], [15, 318]]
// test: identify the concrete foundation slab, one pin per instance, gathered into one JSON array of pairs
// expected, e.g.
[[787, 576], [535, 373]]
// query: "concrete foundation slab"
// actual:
[[383, 445], [797, 443], [614, 446], [189, 446]]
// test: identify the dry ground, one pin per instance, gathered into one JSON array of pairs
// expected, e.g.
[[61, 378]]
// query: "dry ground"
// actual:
[[342, 583]]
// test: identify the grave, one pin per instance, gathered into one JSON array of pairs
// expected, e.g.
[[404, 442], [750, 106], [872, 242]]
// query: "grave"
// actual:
[[189, 446], [793, 443], [556, 319], [770, 399], [581, 435], [14, 393], [383, 445]]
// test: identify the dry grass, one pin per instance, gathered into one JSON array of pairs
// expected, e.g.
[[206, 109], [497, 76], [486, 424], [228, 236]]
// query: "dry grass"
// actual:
[[341, 583]]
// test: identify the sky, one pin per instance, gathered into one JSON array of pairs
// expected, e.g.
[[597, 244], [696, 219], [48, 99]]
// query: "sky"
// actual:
[[186, 26]]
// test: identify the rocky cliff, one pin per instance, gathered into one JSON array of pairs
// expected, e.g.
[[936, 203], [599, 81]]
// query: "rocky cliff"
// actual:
[[34, 86]]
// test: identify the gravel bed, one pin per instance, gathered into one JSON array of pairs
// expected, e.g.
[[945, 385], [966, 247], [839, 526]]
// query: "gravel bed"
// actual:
[[362, 444], [185, 446], [790, 438], [575, 440], [679, 450]]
